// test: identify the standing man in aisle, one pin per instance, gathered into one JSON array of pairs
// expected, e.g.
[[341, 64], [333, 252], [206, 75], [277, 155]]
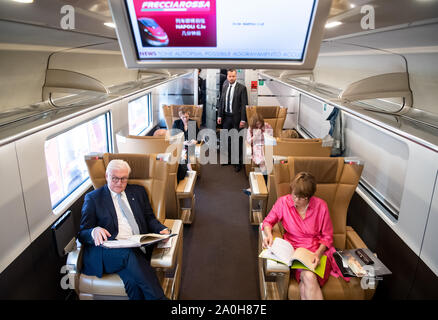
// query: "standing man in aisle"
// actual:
[[232, 111], [202, 96]]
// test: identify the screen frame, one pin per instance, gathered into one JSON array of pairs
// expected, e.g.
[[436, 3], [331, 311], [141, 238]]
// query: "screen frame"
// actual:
[[129, 50]]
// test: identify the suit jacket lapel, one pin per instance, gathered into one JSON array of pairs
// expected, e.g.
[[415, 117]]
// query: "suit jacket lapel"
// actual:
[[236, 96], [108, 199]]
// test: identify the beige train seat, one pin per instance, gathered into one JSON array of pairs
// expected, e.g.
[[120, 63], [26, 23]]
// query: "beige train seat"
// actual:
[[336, 180], [274, 115], [278, 148], [170, 113], [278, 151], [300, 147], [287, 147], [150, 172], [180, 197]]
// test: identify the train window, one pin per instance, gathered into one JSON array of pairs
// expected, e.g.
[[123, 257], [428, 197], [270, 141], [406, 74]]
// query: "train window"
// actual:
[[312, 117], [139, 115], [66, 168], [386, 161]]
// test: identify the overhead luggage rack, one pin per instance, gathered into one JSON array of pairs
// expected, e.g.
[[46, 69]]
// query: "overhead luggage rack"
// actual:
[[388, 85], [372, 103]]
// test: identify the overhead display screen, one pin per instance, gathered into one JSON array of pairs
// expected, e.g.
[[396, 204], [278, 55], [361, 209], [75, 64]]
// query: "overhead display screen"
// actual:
[[223, 29], [217, 33]]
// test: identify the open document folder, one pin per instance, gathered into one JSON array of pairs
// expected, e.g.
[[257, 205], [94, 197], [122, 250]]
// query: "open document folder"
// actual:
[[138, 240], [283, 252]]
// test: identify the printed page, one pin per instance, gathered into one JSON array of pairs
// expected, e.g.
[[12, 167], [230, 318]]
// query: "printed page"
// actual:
[[124, 243], [305, 256], [267, 254], [165, 244], [150, 237], [283, 250]]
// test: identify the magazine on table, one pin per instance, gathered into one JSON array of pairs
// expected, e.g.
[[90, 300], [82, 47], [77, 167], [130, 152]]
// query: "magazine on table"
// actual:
[[359, 263]]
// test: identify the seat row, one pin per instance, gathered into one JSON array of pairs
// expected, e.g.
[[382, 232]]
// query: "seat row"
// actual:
[[336, 179], [155, 169]]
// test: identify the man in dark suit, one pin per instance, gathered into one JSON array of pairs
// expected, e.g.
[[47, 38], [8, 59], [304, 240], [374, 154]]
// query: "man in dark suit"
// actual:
[[232, 110], [116, 211], [202, 96]]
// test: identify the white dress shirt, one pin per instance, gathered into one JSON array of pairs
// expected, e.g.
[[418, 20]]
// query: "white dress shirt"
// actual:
[[230, 87], [125, 230]]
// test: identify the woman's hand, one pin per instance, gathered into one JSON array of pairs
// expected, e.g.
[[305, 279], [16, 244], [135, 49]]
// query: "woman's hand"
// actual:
[[268, 239], [315, 260], [318, 254]]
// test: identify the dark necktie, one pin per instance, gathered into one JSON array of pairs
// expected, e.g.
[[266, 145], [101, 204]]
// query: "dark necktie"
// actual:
[[228, 109], [128, 214]]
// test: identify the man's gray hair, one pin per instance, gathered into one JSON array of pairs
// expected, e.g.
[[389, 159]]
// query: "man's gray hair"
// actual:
[[117, 164]]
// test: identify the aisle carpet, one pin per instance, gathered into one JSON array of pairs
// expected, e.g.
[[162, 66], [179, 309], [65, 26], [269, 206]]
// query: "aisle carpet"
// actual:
[[220, 246]]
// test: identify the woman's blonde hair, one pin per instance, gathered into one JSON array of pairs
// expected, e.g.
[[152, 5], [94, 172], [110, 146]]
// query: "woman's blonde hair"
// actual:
[[257, 117], [304, 185], [183, 110]]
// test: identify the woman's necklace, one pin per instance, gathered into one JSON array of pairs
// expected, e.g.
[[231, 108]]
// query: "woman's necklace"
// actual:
[[302, 212]]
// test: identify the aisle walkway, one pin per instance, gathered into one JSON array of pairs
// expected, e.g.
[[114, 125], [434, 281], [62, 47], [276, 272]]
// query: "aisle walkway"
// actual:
[[220, 247]]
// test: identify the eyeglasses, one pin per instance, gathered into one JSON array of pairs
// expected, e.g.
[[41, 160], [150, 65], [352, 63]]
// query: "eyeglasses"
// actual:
[[117, 179], [298, 198]]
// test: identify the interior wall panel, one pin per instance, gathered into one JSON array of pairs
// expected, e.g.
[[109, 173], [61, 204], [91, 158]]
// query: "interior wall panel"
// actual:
[[14, 232], [27, 75], [106, 66], [313, 116], [429, 252]]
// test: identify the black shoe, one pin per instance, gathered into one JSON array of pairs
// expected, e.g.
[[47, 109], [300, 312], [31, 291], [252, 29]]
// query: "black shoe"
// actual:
[[224, 164], [247, 192], [237, 168]]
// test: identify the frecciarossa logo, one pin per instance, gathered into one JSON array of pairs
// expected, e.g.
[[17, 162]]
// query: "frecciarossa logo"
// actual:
[[175, 6]]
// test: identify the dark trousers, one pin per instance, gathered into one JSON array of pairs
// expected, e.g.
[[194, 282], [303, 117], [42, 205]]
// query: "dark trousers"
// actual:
[[228, 123], [140, 280]]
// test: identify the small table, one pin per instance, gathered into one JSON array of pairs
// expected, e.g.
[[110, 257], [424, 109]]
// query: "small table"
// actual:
[[259, 194], [184, 194]]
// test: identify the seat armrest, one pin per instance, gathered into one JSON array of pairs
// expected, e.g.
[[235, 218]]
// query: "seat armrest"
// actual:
[[73, 265], [248, 150], [272, 267], [187, 185], [257, 184], [166, 257], [353, 240], [279, 159], [198, 150]]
